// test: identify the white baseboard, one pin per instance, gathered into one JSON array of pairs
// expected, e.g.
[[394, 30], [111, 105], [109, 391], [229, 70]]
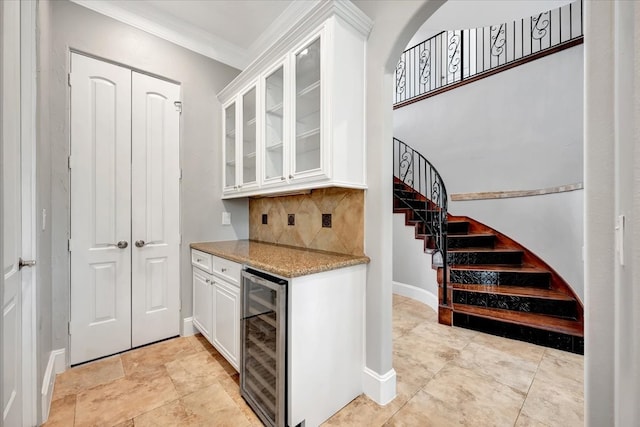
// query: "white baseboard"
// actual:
[[188, 328], [56, 365], [380, 388], [417, 294]]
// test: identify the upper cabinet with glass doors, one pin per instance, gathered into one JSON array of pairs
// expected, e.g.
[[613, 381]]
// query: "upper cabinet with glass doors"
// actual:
[[300, 125], [241, 142]]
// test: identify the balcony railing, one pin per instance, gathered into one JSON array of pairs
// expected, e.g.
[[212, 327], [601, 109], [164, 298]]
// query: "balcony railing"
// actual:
[[452, 57]]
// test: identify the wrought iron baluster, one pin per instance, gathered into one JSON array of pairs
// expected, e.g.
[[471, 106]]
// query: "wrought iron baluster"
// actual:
[[429, 184], [435, 62]]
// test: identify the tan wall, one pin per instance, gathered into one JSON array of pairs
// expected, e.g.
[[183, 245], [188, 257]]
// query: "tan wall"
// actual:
[[346, 207]]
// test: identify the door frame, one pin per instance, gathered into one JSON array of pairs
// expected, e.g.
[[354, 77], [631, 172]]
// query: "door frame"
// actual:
[[28, 134], [28, 92]]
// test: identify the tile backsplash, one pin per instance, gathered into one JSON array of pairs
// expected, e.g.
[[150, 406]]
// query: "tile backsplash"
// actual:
[[344, 235]]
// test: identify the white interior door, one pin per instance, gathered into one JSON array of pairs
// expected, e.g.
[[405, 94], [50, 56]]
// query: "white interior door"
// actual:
[[12, 219], [155, 203], [100, 209]]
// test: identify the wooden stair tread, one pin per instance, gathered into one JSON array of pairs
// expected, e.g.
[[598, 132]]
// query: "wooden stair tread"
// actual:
[[500, 268], [532, 320], [514, 291], [457, 236], [484, 249]]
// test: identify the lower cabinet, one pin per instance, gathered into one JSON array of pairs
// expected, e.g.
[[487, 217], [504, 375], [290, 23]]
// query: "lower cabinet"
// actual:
[[203, 303], [226, 321], [216, 303]]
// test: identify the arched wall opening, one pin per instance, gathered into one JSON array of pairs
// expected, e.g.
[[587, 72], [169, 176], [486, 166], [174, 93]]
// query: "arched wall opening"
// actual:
[[394, 25]]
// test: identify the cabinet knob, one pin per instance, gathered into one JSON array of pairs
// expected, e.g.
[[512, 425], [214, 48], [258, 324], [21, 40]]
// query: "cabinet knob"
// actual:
[[290, 176], [207, 280], [282, 178], [223, 269], [198, 260], [239, 186]]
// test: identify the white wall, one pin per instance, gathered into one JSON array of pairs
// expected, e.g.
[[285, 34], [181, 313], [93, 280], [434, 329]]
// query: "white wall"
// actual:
[[517, 130], [75, 27], [612, 188], [412, 266]]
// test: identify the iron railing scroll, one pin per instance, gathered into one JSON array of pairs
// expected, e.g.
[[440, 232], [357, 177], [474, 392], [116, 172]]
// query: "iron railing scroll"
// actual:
[[451, 57], [415, 171]]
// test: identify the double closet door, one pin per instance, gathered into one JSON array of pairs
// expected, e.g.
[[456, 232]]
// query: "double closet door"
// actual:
[[125, 233]]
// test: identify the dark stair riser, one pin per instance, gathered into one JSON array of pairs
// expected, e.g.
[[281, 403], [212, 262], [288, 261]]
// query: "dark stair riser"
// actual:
[[504, 278], [410, 203], [458, 227], [497, 257], [560, 341], [470, 241], [526, 304]]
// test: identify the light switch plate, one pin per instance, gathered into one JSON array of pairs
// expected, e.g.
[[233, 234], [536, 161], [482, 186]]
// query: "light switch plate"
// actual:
[[226, 218]]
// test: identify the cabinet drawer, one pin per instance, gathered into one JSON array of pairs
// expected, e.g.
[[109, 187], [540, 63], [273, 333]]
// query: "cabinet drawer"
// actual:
[[202, 260], [227, 270]]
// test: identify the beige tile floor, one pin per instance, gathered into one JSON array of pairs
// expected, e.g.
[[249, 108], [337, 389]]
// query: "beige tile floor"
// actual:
[[446, 376]]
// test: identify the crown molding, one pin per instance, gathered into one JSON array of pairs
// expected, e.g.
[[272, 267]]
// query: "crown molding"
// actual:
[[174, 30], [281, 25], [308, 18]]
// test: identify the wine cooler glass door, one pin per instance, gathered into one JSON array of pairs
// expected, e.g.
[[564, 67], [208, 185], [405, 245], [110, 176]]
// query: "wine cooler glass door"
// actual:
[[263, 346]]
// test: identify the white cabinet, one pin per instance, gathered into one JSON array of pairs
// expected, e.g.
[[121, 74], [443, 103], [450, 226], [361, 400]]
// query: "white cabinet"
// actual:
[[240, 131], [297, 111], [226, 321], [202, 303], [216, 303]]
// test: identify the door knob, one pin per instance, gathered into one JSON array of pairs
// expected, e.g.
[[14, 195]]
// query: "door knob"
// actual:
[[122, 244], [23, 263], [140, 243]]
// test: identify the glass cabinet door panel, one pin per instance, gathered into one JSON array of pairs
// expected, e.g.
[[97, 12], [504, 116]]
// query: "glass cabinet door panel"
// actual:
[[273, 127], [307, 124], [230, 145], [249, 137]]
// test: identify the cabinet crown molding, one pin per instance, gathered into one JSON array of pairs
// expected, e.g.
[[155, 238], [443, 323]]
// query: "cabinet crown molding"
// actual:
[[310, 18]]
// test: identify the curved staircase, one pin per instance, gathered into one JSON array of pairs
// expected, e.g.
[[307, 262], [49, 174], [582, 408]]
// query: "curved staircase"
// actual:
[[494, 284]]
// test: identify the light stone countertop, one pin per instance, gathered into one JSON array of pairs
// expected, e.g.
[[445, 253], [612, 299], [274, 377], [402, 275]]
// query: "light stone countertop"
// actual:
[[285, 261]]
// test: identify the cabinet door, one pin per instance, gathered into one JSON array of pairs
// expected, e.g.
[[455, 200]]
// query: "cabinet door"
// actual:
[[203, 303], [226, 321], [307, 156], [229, 122], [274, 136], [249, 139]]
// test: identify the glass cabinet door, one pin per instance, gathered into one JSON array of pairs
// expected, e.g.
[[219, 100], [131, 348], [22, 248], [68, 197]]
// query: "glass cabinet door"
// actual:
[[273, 126], [249, 137], [307, 101], [230, 146]]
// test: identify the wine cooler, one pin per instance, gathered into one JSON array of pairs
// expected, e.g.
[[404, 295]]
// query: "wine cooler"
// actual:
[[263, 361]]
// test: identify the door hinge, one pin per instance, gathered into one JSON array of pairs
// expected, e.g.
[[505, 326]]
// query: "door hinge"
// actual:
[[180, 177], [69, 162], [178, 106], [69, 245], [69, 327], [69, 79]]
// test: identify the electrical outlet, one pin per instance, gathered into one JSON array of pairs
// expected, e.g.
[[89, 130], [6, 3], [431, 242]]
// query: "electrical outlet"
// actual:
[[291, 219], [264, 218]]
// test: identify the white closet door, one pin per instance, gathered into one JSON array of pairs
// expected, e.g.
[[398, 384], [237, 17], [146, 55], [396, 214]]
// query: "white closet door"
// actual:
[[11, 185], [100, 209], [155, 210]]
